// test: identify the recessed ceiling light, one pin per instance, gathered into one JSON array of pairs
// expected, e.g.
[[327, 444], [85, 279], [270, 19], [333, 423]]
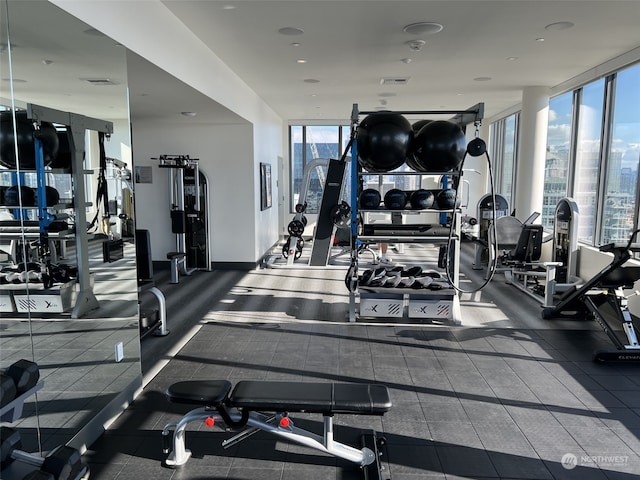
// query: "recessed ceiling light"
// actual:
[[301, 60], [295, 44], [511, 59], [421, 28], [47, 62], [311, 80], [189, 114], [228, 7], [540, 39], [482, 79], [559, 26], [406, 60], [290, 31]]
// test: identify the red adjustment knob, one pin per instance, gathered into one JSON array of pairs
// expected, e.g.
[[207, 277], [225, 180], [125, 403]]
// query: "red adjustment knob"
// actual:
[[209, 422], [285, 422]]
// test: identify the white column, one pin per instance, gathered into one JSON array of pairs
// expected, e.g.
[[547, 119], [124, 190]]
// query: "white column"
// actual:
[[532, 151]]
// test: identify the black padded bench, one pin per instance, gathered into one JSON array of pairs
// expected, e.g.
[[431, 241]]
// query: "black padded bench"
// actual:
[[243, 406]]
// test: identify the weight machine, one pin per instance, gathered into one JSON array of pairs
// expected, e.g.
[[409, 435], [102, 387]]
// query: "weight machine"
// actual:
[[521, 245], [485, 219], [606, 288], [184, 218]]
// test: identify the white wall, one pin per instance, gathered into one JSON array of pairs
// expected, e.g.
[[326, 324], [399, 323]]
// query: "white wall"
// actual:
[[142, 28], [227, 160]]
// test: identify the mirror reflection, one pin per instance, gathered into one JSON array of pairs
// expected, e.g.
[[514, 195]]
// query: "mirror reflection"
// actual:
[[68, 286]]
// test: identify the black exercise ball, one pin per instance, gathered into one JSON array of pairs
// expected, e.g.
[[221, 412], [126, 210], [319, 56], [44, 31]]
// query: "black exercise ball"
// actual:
[[12, 196], [369, 199], [395, 199], [384, 141], [416, 127], [446, 199], [52, 195], [63, 160], [421, 199], [439, 146], [26, 146]]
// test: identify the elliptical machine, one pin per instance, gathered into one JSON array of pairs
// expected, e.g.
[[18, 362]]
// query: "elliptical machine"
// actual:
[[607, 288]]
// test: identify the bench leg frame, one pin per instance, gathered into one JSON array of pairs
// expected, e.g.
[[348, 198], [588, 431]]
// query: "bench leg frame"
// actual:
[[375, 470], [179, 455]]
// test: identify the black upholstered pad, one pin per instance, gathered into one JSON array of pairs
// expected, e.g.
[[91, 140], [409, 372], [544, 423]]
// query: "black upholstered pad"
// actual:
[[620, 277], [210, 393], [325, 398]]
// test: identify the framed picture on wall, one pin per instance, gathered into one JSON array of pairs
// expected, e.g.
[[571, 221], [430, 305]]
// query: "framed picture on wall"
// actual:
[[265, 186]]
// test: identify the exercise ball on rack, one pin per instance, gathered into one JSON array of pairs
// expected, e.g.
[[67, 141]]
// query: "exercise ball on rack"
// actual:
[[52, 196], [446, 199], [384, 141], [369, 199], [439, 146], [411, 161], [421, 199], [63, 160], [25, 139], [395, 199], [12, 196]]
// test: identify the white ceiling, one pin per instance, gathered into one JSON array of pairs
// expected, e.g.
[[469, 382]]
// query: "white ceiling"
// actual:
[[348, 45]]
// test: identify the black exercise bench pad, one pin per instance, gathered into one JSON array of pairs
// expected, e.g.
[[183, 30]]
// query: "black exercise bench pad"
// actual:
[[326, 398], [210, 393]]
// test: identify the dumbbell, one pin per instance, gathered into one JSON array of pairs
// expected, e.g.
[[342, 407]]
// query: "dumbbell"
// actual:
[[19, 377], [62, 463]]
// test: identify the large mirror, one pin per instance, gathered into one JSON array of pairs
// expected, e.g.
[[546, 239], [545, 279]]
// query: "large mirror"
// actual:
[[68, 292]]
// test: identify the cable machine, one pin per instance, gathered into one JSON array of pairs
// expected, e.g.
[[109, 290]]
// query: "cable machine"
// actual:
[[185, 211]]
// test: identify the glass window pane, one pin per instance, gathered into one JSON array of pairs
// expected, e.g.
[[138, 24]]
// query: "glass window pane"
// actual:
[[588, 157], [297, 166], [624, 152], [322, 142], [556, 168], [508, 158]]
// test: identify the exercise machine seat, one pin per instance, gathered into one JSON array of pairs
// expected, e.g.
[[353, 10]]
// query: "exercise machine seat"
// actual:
[[326, 398], [210, 393], [529, 246]]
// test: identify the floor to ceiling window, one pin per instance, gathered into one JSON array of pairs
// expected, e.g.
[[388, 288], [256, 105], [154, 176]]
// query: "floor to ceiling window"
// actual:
[[619, 202], [307, 143], [556, 169], [588, 156], [593, 153], [504, 138]]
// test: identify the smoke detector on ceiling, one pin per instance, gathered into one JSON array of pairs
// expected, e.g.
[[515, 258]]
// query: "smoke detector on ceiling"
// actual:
[[416, 45], [394, 80]]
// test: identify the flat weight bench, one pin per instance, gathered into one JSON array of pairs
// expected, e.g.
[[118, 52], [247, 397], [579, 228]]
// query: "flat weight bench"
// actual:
[[244, 406]]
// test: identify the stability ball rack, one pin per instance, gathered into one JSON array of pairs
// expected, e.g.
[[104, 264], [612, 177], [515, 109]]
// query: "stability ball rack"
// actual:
[[461, 117]]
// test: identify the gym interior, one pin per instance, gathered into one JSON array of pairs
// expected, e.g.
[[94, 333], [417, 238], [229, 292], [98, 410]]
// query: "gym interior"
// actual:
[[314, 239]]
